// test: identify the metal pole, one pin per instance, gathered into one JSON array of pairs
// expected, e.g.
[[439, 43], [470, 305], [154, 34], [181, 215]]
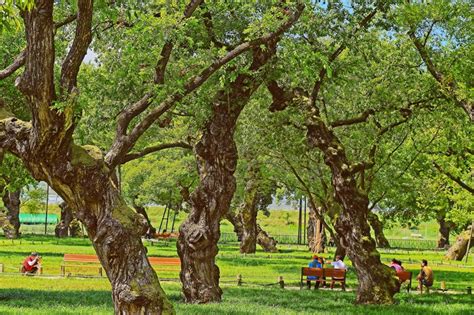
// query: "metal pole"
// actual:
[[469, 241], [46, 208], [299, 220], [304, 222]]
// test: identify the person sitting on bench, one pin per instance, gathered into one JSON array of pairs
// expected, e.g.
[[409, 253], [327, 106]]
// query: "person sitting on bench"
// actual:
[[315, 263], [337, 264], [31, 264], [425, 278], [396, 265]]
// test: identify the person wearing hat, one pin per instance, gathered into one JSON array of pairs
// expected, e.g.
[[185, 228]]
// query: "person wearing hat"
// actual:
[[315, 263], [31, 264]]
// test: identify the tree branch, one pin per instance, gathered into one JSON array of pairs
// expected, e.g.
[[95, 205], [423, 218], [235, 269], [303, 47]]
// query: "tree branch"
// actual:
[[82, 40], [165, 54], [356, 120], [323, 72], [447, 85], [135, 155], [19, 60], [17, 63], [123, 143], [454, 178]]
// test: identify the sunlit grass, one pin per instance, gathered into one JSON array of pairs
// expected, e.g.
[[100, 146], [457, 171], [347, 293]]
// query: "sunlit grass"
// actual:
[[52, 294]]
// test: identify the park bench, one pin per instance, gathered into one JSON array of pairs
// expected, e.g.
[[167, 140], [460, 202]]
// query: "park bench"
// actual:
[[92, 261], [324, 274], [405, 276]]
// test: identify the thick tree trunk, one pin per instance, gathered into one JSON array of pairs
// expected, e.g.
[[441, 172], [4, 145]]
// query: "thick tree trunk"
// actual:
[[200, 232], [376, 282], [268, 243], [62, 229], [10, 218], [377, 226], [459, 248], [248, 211], [316, 235], [444, 230], [216, 155]]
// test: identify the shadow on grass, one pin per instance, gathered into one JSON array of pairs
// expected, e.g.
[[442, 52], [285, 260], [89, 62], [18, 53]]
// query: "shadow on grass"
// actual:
[[42, 299]]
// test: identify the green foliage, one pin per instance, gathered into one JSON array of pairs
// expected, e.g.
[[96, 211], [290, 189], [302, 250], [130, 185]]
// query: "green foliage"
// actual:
[[34, 199]]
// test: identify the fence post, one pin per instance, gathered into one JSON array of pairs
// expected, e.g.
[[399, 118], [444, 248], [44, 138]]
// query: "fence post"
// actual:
[[1, 268], [239, 280], [281, 282]]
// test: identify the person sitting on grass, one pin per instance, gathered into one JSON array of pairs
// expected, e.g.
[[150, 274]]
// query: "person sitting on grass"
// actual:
[[315, 263], [31, 264], [425, 278]]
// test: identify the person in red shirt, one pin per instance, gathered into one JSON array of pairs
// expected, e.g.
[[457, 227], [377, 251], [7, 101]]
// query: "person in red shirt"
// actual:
[[31, 264]]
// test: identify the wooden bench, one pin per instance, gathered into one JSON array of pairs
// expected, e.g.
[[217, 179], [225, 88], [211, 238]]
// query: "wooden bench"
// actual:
[[405, 276], [92, 261], [336, 275]]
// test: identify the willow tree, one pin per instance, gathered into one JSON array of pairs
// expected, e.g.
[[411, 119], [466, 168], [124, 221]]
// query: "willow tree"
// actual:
[[84, 175]]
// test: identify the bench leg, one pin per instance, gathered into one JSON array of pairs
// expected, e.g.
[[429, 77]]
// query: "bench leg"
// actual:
[[100, 271]]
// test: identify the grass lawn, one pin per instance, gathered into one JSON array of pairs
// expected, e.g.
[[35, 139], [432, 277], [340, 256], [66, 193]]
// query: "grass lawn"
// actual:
[[51, 294]]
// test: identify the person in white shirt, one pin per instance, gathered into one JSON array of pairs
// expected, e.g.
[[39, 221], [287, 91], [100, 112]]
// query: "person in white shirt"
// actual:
[[338, 263]]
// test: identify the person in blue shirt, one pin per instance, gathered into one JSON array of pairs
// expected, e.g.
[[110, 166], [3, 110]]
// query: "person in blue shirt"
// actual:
[[317, 262]]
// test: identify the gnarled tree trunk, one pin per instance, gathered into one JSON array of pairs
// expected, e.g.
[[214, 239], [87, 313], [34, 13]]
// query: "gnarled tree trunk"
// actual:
[[316, 235], [377, 226], [268, 243], [444, 230], [62, 229], [376, 282], [10, 216], [216, 155], [459, 248]]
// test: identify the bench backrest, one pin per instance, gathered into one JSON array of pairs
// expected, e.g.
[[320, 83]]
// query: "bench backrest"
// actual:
[[165, 261], [335, 273], [404, 275], [323, 272], [94, 259], [315, 272], [81, 258]]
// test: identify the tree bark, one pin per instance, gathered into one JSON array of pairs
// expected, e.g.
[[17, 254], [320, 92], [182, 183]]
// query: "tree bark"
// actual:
[[150, 230], [376, 282], [459, 249], [10, 219], [62, 229], [377, 226], [268, 243], [316, 235], [444, 230], [216, 155]]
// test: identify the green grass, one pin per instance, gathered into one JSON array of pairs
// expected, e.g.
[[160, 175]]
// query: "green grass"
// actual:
[[51, 294]]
